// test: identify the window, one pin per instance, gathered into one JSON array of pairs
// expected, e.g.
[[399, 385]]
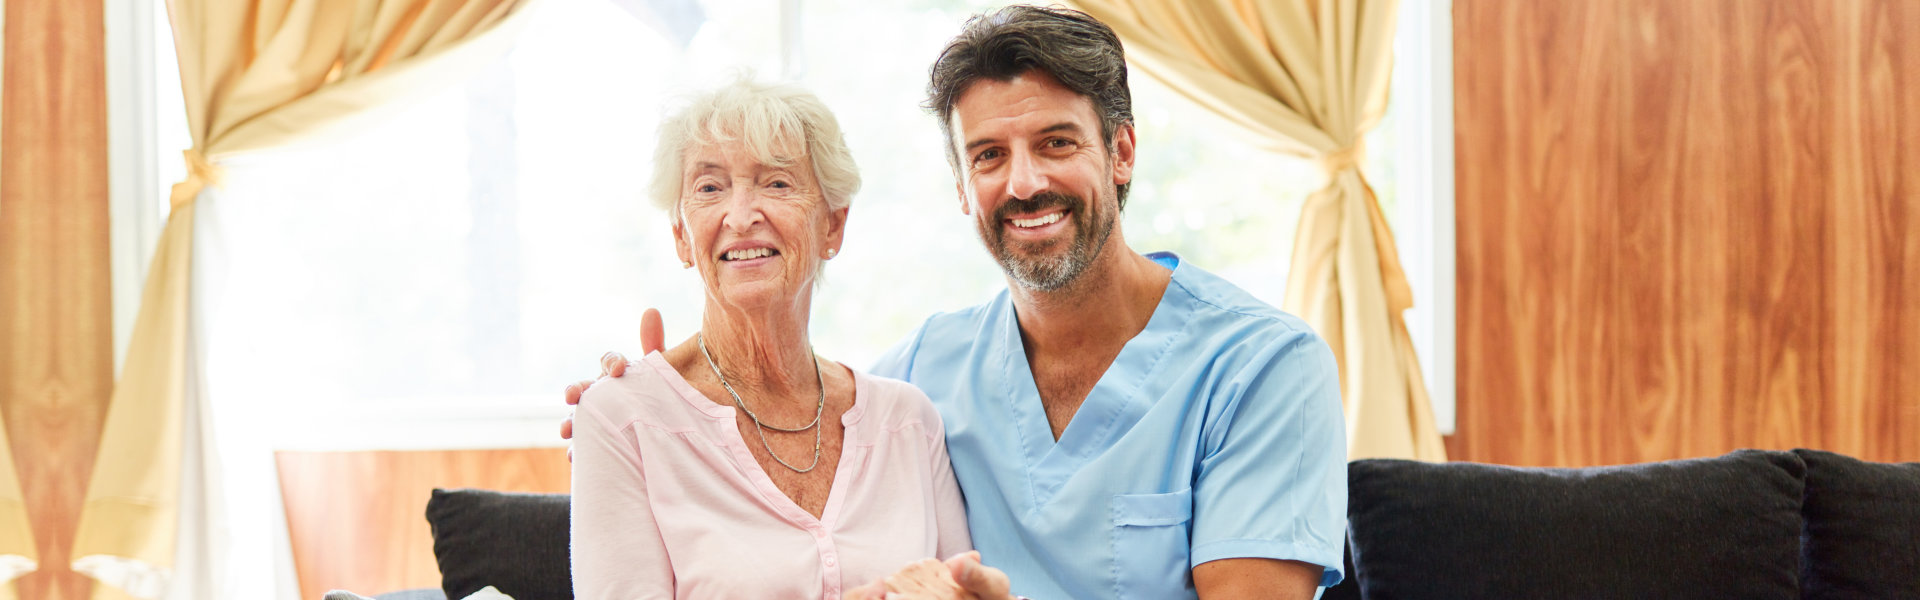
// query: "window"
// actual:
[[1411, 164], [435, 282]]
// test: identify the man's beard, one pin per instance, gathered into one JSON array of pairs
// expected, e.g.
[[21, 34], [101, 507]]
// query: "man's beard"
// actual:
[[1030, 263]]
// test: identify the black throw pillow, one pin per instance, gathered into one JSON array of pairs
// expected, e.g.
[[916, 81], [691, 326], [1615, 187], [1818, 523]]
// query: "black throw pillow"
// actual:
[[1863, 528], [516, 543], [1726, 527]]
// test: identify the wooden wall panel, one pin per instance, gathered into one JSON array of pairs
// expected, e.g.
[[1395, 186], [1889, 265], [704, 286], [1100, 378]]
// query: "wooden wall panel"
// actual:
[[1876, 241], [357, 520], [56, 329], [1562, 63], [1686, 227]]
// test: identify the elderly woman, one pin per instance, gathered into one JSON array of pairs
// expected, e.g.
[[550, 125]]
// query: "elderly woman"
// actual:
[[739, 464]]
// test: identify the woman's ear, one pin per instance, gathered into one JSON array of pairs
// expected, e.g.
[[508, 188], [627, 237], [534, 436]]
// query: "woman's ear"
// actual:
[[836, 230], [681, 245]]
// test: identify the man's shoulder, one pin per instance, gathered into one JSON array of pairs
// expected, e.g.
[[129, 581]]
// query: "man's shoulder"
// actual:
[[955, 332], [940, 339], [1220, 308], [1259, 355], [896, 403]]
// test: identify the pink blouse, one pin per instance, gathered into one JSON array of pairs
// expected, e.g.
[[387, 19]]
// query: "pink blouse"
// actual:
[[668, 501]]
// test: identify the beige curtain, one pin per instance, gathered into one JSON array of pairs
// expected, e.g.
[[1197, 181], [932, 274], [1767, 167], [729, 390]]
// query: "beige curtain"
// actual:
[[1309, 77], [256, 74]]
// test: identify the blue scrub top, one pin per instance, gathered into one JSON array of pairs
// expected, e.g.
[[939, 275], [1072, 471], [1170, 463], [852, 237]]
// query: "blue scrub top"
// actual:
[[1216, 433]]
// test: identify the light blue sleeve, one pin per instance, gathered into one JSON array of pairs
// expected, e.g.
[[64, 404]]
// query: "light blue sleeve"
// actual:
[[1273, 480], [897, 362]]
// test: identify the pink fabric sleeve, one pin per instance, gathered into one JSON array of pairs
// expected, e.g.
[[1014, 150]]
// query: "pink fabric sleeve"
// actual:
[[617, 549], [949, 507]]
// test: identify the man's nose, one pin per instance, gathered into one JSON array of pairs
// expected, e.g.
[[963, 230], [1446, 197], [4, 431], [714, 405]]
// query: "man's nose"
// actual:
[[743, 209], [1024, 176]]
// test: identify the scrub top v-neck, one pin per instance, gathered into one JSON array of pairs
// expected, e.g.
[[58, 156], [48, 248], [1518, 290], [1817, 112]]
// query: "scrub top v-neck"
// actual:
[[1216, 433]]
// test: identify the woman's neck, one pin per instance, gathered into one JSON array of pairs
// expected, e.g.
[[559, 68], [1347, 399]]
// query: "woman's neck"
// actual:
[[765, 352]]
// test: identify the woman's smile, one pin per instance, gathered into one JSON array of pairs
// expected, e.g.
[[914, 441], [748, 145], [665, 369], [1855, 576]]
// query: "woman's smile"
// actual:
[[744, 255]]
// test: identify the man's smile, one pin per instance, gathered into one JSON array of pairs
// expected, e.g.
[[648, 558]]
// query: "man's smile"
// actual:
[[1032, 222], [1034, 226]]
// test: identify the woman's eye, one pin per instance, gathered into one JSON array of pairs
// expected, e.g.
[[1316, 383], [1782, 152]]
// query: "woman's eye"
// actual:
[[708, 188], [780, 184]]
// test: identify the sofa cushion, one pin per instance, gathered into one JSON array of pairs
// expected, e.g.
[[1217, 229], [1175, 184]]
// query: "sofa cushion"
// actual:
[[514, 542], [1726, 527], [1862, 528]]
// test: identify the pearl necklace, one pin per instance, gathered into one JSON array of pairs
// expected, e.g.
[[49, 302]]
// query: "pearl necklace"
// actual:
[[763, 427]]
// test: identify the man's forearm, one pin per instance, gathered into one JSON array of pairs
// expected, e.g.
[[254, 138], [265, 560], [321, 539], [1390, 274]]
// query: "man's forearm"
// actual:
[[1265, 578]]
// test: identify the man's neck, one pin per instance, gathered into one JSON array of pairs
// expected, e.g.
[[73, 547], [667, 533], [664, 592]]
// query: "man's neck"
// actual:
[[1104, 307]]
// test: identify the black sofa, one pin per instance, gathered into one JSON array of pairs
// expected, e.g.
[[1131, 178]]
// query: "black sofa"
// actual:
[[1751, 524]]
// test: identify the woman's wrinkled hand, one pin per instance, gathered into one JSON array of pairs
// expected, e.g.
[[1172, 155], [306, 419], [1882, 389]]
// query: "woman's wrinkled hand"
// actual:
[[925, 579], [978, 580], [959, 578]]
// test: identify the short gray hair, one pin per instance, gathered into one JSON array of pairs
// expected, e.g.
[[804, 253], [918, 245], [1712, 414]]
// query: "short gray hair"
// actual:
[[767, 119]]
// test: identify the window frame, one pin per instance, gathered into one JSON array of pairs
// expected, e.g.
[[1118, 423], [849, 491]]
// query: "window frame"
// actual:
[[137, 211], [1423, 71]]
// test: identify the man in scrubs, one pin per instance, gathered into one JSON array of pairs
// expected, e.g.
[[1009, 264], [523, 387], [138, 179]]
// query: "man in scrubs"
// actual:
[[1122, 425]]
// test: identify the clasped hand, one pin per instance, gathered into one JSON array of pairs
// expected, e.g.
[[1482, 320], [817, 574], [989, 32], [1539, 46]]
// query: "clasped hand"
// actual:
[[959, 578]]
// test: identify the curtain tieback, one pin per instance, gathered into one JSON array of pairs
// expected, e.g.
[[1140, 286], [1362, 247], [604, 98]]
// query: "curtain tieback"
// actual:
[[200, 173], [1343, 159]]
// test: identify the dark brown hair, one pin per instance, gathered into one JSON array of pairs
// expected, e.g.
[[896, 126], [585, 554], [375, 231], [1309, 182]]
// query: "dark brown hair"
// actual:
[[1076, 49]]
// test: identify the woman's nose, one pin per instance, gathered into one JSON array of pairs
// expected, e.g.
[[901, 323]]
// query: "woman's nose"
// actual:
[[743, 209]]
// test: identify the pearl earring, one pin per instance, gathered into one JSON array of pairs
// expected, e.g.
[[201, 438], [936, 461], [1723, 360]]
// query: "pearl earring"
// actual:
[[831, 252], [686, 264]]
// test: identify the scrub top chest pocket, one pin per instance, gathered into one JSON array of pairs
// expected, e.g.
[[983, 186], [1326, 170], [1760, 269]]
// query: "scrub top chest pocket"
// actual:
[[1151, 535]]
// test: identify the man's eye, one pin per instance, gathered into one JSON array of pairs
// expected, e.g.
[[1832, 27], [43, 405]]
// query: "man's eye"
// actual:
[[985, 156], [1058, 143]]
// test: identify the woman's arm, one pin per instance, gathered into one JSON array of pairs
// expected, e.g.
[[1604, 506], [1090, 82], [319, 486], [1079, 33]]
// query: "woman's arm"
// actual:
[[617, 549]]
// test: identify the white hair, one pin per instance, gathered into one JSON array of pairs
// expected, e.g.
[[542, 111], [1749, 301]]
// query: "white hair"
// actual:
[[769, 120]]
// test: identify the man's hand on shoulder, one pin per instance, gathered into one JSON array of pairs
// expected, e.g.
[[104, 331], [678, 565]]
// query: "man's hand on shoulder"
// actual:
[[613, 364]]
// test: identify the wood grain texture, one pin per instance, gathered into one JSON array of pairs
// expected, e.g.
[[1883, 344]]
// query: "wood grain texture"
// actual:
[[357, 520], [1686, 228], [56, 328]]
